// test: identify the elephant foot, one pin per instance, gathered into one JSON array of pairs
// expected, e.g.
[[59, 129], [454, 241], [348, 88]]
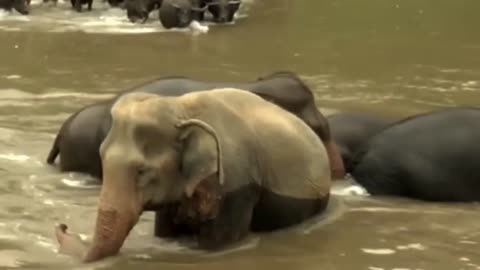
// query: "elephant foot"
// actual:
[[70, 244]]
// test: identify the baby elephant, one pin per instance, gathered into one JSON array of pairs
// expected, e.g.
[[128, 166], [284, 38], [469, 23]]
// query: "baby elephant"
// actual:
[[21, 6], [220, 163]]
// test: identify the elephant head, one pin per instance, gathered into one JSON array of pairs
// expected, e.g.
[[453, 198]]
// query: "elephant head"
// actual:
[[155, 153], [223, 10]]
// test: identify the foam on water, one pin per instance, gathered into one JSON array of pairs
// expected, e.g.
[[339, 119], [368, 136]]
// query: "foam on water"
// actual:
[[348, 187], [15, 157], [13, 94], [79, 183]]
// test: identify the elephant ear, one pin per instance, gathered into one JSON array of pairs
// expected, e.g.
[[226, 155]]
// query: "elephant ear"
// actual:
[[201, 156]]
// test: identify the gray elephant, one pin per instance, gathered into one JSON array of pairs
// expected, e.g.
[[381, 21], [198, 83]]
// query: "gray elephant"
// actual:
[[21, 6], [205, 169]]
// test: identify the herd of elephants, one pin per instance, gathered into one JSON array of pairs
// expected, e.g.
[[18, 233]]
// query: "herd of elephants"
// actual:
[[171, 13], [217, 160]]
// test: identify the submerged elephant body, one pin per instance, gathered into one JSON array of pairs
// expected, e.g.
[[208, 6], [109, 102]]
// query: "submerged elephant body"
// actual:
[[351, 130], [79, 138], [432, 157], [261, 172]]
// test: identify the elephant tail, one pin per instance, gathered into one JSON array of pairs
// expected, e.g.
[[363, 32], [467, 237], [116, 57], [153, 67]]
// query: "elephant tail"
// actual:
[[54, 151]]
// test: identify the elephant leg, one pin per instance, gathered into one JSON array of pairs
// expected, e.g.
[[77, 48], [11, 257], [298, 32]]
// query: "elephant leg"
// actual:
[[165, 225], [78, 5], [90, 2], [168, 225], [232, 222]]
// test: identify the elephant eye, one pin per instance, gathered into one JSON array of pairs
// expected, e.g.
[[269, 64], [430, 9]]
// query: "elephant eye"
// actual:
[[141, 170], [143, 175]]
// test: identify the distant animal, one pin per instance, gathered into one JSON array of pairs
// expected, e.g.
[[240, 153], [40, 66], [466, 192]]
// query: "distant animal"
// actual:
[[77, 4], [21, 6], [139, 10], [180, 13]]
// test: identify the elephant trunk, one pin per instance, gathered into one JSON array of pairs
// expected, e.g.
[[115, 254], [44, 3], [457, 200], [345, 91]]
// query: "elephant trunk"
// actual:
[[118, 211], [336, 162]]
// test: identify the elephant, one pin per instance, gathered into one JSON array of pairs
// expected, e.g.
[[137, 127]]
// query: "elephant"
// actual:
[[80, 136], [21, 6], [139, 10], [431, 157], [115, 3], [180, 13], [236, 161], [223, 10], [351, 130], [77, 4]]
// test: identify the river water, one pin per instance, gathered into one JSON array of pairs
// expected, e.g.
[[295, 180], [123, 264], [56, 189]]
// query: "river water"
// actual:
[[390, 57]]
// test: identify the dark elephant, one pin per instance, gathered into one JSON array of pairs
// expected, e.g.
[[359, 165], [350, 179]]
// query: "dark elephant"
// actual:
[[139, 10], [180, 13], [116, 3], [77, 4], [229, 162], [223, 10], [351, 130], [21, 6], [82, 133], [432, 157]]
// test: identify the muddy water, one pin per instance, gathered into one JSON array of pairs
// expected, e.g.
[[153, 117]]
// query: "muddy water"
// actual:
[[391, 57]]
